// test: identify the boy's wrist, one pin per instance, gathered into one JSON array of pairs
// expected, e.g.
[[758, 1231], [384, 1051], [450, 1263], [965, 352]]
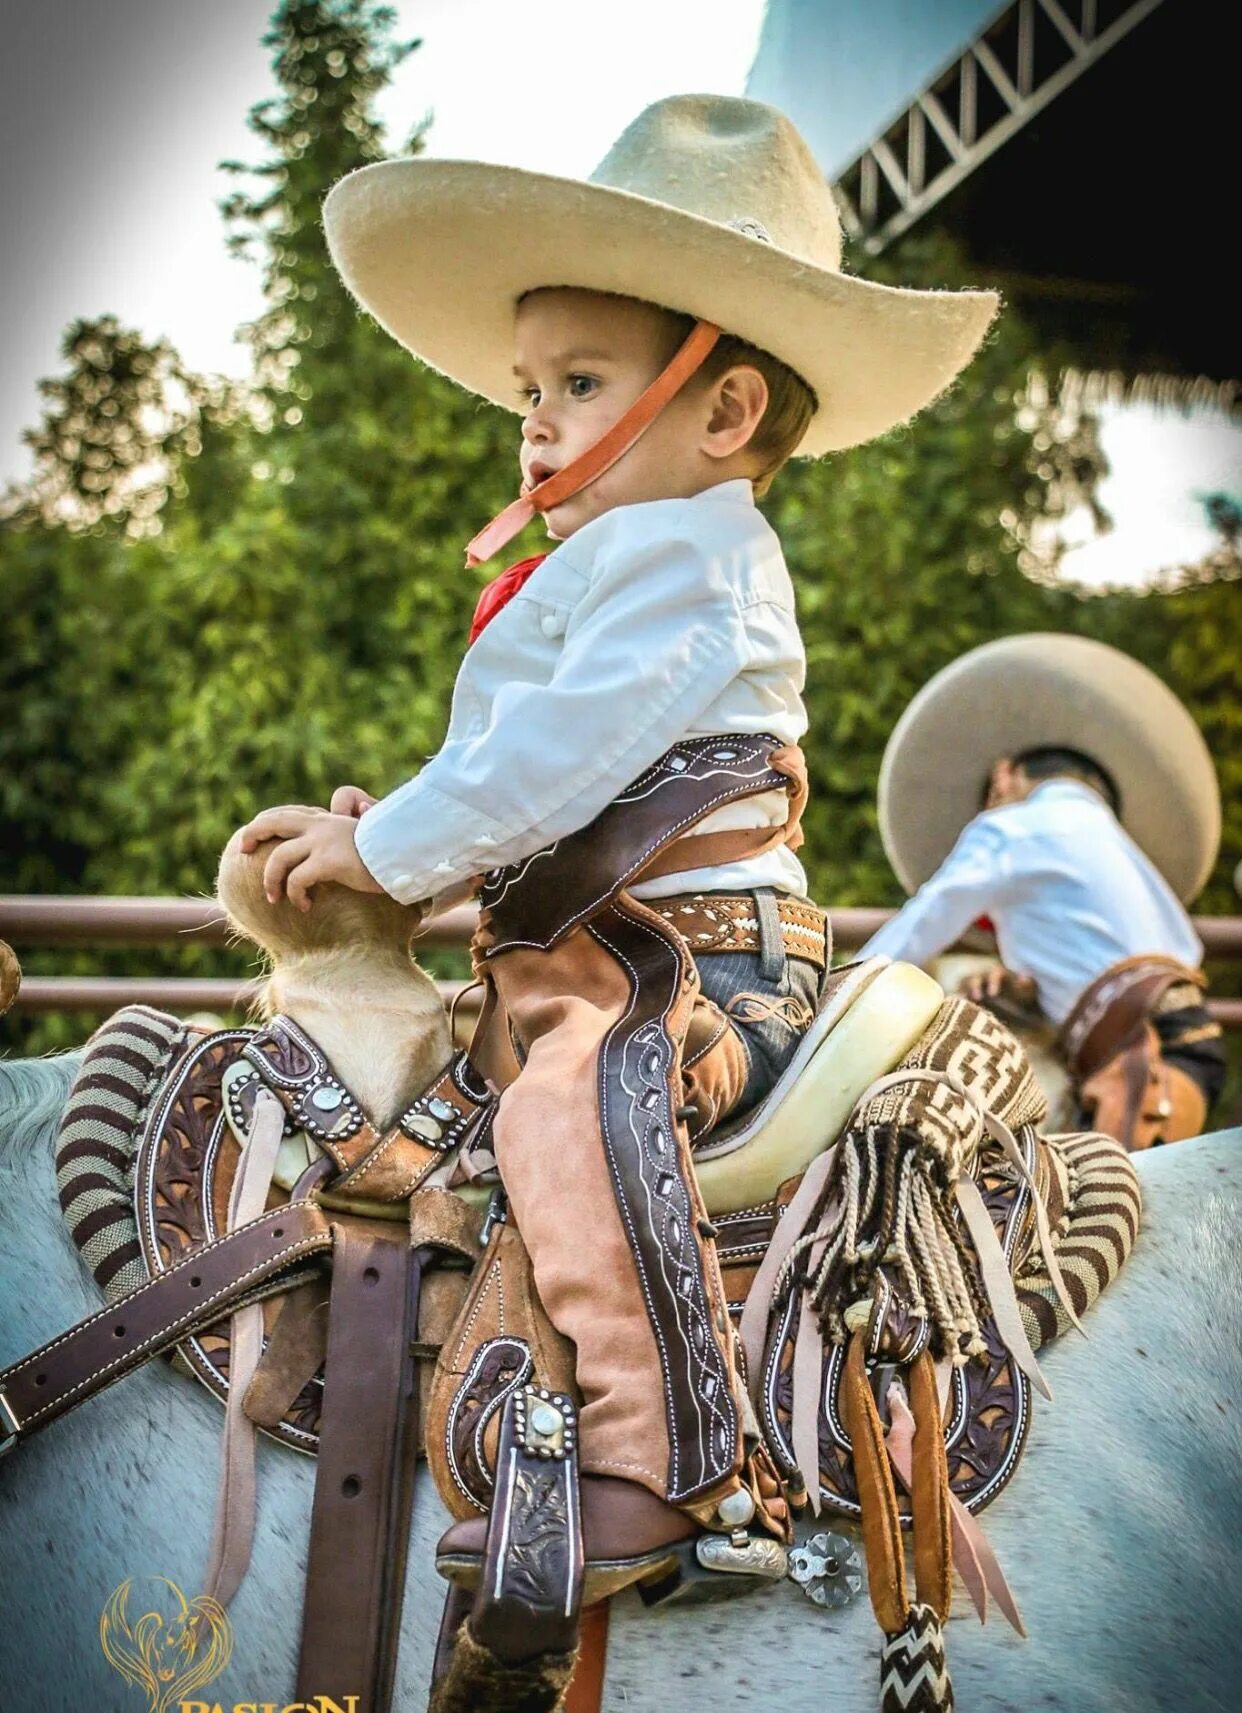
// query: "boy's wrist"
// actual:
[[419, 842]]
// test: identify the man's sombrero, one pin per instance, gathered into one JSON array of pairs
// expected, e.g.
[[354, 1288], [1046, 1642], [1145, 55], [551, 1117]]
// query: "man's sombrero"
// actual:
[[708, 205], [1046, 690]]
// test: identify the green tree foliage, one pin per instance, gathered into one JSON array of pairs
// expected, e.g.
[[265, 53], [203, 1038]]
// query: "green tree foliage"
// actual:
[[115, 431], [288, 612]]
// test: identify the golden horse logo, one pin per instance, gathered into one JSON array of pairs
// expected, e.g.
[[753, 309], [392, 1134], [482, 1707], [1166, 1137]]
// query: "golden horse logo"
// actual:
[[167, 1656]]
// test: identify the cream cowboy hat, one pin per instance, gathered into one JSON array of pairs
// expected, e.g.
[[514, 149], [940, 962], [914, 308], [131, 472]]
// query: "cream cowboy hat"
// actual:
[[709, 205], [1045, 690]]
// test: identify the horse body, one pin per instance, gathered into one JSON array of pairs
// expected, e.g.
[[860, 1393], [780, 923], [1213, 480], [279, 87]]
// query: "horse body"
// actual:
[[1118, 1533]]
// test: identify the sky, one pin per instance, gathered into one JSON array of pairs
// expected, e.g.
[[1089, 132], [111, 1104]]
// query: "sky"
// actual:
[[844, 69], [114, 115], [1164, 465]]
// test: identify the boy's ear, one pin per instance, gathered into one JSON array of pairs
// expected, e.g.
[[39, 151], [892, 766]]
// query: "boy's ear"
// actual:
[[739, 399]]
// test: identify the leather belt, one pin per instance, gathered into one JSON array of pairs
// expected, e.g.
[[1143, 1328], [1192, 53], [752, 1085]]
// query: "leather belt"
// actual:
[[1110, 1014], [728, 922]]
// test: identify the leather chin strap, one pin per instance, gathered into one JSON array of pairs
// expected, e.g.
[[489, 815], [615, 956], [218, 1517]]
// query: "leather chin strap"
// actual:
[[607, 450]]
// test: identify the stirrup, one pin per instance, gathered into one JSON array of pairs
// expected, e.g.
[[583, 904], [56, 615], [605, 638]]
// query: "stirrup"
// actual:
[[713, 1567], [531, 1591], [518, 1642]]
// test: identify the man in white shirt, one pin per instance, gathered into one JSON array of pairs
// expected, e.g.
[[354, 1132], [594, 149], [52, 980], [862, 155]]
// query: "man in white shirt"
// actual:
[[1087, 924]]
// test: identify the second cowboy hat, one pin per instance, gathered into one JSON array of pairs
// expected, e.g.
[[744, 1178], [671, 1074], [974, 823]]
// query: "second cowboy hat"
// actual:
[[1046, 690], [709, 205]]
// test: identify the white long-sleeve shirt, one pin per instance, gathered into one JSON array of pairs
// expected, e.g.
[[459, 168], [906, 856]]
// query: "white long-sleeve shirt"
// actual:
[[1066, 887], [655, 622]]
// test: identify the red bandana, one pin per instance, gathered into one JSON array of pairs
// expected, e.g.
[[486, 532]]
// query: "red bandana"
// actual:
[[501, 590]]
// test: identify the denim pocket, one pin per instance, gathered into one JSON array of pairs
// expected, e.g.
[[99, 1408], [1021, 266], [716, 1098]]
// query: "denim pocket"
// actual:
[[769, 1016]]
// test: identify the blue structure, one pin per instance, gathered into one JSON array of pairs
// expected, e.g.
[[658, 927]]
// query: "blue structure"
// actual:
[[842, 69]]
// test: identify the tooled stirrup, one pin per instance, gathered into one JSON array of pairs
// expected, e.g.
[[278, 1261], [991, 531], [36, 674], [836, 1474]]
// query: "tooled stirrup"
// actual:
[[522, 1631]]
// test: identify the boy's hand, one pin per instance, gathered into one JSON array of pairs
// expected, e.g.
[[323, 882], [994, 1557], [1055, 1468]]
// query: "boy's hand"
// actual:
[[316, 845], [351, 800]]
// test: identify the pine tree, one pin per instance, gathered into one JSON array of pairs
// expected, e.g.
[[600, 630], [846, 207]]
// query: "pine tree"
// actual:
[[116, 430], [320, 604], [330, 59]]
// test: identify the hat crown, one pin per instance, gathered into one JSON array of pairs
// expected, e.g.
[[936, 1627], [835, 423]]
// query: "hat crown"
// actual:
[[736, 162]]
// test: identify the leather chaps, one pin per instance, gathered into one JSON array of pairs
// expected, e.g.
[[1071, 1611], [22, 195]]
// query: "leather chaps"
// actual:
[[593, 994]]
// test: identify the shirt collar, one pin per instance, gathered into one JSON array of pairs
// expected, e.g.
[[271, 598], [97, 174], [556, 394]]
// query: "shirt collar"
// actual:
[[738, 488], [1054, 789]]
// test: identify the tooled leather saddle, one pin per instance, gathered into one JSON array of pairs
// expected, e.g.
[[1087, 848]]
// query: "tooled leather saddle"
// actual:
[[417, 1265]]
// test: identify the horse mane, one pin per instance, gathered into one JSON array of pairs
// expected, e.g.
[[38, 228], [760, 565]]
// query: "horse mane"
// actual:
[[33, 1093]]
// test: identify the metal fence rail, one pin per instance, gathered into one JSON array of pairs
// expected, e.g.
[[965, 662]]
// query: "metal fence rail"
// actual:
[[36, 920]]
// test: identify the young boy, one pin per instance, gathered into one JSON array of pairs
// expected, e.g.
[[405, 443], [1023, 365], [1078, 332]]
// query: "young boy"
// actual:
[[664, 612]]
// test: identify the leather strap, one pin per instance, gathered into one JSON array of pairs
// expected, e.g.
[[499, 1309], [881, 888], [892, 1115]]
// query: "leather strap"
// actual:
[[295, 1353], [877, 1497], [371, 1167], [973, 1556], [197, 1291], [929, 1494], [1111, 1012], [739, 844], [530, 1594], [355, 1574], [457, 1604], [607, 450], [232, 1533], [586, 1687]]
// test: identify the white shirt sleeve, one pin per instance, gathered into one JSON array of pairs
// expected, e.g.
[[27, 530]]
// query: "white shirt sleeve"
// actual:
[[974, 878], [655, 638]]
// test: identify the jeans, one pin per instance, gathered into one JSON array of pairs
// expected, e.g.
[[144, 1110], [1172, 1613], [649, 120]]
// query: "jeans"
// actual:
[[769, 998]]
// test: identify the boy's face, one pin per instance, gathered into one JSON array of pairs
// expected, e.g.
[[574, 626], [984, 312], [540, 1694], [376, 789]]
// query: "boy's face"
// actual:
[[582, 358]]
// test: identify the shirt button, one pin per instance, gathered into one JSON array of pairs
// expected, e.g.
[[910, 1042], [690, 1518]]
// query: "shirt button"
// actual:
[[552, 624], [401, 881]]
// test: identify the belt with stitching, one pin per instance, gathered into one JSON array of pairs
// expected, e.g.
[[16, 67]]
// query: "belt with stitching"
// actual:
[[726, 922]]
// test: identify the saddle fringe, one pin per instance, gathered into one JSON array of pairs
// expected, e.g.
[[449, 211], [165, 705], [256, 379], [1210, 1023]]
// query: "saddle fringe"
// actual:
[[891, 1169], [897, 1196]]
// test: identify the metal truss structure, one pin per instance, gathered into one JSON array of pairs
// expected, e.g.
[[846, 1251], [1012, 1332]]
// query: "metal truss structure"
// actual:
[[1028, 54]]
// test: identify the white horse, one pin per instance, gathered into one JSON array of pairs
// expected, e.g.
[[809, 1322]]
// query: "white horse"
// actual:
[[1119, 1533]]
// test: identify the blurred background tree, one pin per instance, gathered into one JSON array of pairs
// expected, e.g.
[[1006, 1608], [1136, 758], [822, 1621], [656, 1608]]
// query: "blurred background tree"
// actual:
[[223, 597]]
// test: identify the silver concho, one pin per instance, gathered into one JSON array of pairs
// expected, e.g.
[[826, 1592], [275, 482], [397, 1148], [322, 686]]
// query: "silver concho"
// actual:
[[827, 1569]]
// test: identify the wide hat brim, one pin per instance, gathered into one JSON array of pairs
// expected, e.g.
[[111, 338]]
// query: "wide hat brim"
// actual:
[[440, 252], [1049, 690]]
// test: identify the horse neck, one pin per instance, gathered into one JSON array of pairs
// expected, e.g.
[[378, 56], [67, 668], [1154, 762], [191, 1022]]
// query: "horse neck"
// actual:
[[381, 1024]]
